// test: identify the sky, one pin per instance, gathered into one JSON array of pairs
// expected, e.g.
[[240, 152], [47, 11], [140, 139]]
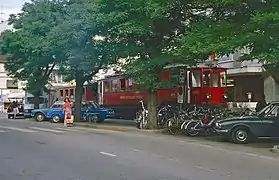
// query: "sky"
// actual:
[[11, 7]]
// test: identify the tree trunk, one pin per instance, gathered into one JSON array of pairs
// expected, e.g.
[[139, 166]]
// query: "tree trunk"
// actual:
[[78, 96], [152, 109], [37, 99]]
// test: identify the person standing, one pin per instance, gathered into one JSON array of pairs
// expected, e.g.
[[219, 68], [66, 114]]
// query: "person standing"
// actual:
[[67, 110]]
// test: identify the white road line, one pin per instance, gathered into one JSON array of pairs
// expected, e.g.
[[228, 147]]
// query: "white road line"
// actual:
[[108, 154], [46, 130], [2, 131], [70, 130], [204, 168], [17, 129]]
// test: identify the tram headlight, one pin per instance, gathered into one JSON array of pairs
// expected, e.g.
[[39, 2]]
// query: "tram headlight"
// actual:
[[208, 96], [225, 96]]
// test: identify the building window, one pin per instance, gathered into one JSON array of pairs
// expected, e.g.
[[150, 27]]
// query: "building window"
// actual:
[[12, 84], [60, 78]]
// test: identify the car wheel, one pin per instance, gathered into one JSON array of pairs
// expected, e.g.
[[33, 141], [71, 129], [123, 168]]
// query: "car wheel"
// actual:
[[241, 135], [40, 117], [55, 119]]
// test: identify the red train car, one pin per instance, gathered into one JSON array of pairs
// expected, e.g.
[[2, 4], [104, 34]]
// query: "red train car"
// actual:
[[123, 95], [201, 86]]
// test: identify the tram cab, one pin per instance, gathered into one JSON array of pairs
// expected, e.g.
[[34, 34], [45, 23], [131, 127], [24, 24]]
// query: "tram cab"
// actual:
[[207, 85]]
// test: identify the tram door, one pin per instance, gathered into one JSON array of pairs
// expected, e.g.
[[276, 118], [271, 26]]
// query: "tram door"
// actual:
[[194, 92]]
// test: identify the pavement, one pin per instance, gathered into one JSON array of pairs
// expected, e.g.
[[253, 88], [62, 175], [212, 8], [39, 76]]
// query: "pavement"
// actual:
[[42, 151]]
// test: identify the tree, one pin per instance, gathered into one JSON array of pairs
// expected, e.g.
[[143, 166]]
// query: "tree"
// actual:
[[230, 25], [30, 55], [85, 55], [145, 31]]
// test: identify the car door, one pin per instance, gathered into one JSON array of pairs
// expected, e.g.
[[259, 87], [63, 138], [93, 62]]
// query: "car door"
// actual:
[[272, 122], [264, 127]]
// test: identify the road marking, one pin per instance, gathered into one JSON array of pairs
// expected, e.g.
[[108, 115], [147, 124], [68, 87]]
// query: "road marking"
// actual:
[[70, 129], [2, 131], [46, 130], [137, 150], [108, 154], [204, 168], [17, 129]]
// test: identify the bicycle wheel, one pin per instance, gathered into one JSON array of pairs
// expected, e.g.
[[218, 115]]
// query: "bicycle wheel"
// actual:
[[193, 128], [183, 127], [172, 127]]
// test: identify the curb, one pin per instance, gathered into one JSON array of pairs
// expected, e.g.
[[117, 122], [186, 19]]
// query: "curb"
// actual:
[[111, 128]]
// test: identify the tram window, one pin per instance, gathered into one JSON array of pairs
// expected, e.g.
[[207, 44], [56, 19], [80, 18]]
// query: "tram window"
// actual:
[[195, 82], [214, 79], [106, 86], [130, 84], [71, 92], [66, 92], [122, 84], [206, 78], [61, 93], [223, 79], [114, 85]]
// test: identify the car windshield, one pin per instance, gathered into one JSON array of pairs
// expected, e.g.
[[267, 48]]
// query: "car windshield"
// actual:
[[266, 110], [95, 105]]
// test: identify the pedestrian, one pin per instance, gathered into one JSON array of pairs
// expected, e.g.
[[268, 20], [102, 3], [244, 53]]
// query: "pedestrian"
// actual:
[[67, 110], [261, 103], [15, 108]]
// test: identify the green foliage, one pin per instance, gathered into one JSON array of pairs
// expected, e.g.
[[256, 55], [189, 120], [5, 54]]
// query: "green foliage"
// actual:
[[144, 32], [31, 56], [75, 34], [234, 24]]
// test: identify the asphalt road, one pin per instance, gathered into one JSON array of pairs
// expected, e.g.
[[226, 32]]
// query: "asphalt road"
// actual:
[[44, 151]]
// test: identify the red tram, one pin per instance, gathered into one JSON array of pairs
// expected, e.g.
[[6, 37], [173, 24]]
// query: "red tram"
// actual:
[[202, 86]]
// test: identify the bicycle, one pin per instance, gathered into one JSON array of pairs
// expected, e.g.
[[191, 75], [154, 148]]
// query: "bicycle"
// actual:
[[141, 117]]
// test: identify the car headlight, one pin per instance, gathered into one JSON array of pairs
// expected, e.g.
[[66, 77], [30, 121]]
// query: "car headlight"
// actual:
[[218, 125]]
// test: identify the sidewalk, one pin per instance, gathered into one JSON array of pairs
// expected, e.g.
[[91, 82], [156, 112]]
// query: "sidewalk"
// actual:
[[114, 125]]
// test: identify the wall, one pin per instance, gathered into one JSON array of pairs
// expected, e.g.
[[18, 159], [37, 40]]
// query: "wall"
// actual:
[[271, 90]]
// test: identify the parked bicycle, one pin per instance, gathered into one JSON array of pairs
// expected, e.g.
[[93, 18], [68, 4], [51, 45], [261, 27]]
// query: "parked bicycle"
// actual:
[[141, 117]]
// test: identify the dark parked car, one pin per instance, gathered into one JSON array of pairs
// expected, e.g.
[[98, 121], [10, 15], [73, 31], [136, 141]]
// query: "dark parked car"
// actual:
[[264, 124]]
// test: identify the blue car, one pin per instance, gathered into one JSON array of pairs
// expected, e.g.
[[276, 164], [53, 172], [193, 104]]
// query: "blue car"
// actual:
[[55, 112]]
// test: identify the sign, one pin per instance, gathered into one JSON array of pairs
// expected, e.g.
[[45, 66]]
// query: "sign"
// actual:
[[182, 76], [180, 94]]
